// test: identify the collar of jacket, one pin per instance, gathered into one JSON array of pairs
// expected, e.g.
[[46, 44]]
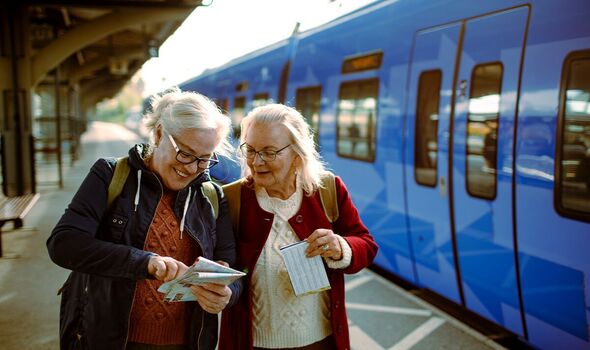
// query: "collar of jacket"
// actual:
[[137, 155]]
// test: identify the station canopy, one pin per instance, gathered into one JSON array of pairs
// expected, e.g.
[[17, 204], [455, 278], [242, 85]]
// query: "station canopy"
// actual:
[[99, 44]]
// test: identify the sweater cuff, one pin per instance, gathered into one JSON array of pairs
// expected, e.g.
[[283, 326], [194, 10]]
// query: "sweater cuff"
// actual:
[[346, 256]]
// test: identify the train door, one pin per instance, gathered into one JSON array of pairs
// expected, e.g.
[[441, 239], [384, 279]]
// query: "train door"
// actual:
[[427, 127], [482, 161]]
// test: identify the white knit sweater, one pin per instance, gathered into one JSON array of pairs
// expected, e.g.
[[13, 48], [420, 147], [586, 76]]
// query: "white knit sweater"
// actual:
[[280, 319]]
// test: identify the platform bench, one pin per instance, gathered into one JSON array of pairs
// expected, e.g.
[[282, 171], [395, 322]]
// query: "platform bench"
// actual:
[[15, 209]]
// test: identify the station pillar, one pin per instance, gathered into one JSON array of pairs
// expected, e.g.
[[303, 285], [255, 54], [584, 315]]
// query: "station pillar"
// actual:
[[17, 143]]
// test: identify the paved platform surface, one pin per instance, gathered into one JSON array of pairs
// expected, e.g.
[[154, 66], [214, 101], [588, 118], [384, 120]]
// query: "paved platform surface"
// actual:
[[382, 315]]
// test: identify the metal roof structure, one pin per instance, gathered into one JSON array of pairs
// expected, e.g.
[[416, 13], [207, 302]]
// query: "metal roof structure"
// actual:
[[72, 53]]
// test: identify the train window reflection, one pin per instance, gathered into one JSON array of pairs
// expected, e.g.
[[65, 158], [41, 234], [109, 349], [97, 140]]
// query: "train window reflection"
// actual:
[[223, 104], [482, 130], [356, 119], [426, 140], [573, 193], [307, 102], [260, 100], [238, 114]]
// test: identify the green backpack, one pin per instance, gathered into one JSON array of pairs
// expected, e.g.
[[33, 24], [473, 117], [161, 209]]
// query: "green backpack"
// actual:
[[122, 172]]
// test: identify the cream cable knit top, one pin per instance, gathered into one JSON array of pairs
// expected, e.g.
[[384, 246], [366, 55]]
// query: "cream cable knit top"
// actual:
[[280, 319]]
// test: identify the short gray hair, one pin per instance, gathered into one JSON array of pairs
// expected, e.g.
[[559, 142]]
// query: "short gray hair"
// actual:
[[301, 139], [176, 110]]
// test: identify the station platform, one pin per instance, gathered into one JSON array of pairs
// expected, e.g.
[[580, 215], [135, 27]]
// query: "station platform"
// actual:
[[381, 314]]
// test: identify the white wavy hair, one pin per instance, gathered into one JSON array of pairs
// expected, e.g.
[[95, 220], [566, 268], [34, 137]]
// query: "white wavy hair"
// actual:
[[177, 110], [301, 138]]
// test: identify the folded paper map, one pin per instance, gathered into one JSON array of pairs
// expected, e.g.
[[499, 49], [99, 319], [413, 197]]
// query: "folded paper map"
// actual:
[[308, 275], [203, 271]]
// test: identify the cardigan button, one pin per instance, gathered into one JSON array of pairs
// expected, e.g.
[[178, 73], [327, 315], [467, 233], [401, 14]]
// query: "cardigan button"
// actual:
[[299, 219], [336, 304]]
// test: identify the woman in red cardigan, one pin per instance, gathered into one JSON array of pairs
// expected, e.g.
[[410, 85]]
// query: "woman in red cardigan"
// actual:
[[280, 204]]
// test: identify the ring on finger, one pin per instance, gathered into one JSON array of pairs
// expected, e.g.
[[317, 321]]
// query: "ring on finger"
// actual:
[[325, 247]]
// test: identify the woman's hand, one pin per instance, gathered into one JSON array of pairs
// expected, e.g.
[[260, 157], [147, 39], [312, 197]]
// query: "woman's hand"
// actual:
[[213, 298], [324, 242], [165, 268]]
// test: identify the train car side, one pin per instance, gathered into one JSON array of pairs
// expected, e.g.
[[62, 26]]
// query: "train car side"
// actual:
[[462, 130]]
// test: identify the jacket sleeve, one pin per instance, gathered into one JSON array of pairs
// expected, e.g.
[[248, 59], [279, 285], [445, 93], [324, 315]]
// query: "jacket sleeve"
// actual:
[[225, 248], [73, 243], [352, 229]]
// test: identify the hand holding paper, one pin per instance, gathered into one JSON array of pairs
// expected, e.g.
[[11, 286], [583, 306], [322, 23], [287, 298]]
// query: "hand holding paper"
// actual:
[[202, 272], [307, 274], [213, 298]]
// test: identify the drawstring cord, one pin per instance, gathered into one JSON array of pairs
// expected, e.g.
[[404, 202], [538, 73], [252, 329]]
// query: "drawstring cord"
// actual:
[[136, 201], [186, 202]]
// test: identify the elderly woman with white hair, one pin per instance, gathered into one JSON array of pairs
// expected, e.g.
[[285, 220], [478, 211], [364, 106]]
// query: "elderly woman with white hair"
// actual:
[[280, 204], [120, 252]]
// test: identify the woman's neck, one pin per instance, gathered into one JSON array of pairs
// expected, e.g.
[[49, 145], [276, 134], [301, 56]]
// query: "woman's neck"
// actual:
[[283, 192]]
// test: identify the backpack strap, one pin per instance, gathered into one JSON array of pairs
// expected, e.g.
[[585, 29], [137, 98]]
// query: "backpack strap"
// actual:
[[328, 196], [118, 180], [233, 192], [210, 192], [121, 173]]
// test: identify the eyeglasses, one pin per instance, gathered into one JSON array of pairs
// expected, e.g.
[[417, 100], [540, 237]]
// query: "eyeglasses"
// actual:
[[187, 158], [265, 155]]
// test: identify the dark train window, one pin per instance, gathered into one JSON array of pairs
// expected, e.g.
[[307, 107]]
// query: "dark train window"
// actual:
[[238, 113], [573, 167], [260, 100], [426, 139], [307, 102], [356, 119], [223, 104], [482, 130]]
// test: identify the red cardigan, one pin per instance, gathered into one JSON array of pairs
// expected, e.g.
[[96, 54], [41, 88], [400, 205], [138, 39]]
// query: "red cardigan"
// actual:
[[254, 228]]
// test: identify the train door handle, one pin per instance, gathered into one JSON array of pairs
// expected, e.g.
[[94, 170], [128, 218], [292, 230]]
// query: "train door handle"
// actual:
[[442, 185]]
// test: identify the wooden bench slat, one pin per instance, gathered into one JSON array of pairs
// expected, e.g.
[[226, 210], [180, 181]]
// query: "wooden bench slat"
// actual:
[[15, 209], [12, 208]]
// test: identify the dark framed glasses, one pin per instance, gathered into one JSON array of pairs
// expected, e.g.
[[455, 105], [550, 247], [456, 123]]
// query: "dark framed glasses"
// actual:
[[187, 158], [265, 155]]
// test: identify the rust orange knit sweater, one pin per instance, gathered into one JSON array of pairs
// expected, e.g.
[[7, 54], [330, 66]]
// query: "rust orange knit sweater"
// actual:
[[154, 321]]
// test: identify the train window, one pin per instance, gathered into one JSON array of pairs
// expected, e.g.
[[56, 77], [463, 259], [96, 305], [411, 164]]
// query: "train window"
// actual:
[[426, 139], [223, 104], [357, 119], [237, 114], [573, 172], [482, 130], [260, 100], [307, 101]]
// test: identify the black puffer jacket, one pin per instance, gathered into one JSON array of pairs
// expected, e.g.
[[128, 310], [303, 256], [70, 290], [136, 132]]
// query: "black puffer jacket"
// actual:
[[103, 248]]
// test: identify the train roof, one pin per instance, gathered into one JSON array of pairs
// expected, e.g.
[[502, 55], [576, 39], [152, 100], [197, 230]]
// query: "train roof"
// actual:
[[283, 42]]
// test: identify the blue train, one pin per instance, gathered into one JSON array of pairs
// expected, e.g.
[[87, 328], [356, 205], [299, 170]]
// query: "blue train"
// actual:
[[462, 129]]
